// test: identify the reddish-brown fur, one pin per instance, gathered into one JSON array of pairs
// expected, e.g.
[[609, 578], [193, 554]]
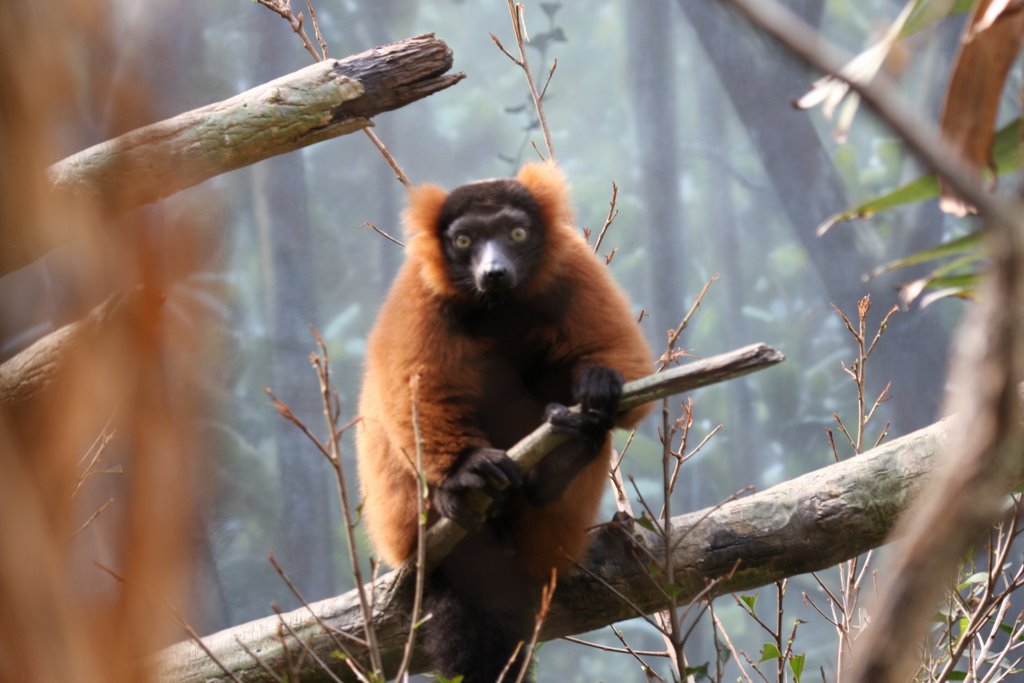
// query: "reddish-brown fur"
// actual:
[[412, 337]]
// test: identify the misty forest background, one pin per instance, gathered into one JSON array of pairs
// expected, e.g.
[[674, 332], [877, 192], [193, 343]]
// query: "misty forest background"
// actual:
[[681, 104]]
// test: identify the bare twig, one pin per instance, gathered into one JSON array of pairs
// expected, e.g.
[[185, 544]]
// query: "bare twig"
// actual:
[[388, 157], [305, 646], [329, 398], [673, 335], [94, 453], [547, 81], [256, 658], [422, 493], [284, 9], [719, 629], [644, 666], [613, 211], [515, 10], [92, 518], [547, 593], [178, 618], [328, 629], [618, 650], [384, 234], [95, 457], [316, 31], [331, 451]]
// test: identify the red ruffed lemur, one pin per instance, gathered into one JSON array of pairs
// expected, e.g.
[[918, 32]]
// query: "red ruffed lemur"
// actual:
[[506, 316]]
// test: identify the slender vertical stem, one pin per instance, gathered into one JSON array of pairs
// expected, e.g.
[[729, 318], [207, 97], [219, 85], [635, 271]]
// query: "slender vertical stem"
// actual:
[[515, 11]]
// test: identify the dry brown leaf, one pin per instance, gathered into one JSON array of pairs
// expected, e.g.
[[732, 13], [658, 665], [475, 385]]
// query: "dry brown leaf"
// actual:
[[976, 87], [995, 11]]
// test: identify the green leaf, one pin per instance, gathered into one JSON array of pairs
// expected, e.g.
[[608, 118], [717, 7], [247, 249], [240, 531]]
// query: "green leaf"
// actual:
[[796, 665], [696, 671], [916, 191], [768, 652], [1006, 155], [929, 12], [969, 244], [974, 579], [966, 282], [645, 522], [749, 601], [956, 676]]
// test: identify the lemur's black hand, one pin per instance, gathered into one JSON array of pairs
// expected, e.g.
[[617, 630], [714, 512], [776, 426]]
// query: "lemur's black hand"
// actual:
[[485, 470]]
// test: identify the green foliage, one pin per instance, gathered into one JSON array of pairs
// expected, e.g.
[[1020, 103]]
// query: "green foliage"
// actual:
[[698, 672], [796, 665], [1006, 156], [957, 277], [927, 12], [441, 679], [769, 652]]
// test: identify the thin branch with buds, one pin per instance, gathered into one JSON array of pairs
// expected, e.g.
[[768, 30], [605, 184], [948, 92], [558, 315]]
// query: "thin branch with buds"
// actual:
[[331, 451], [613, 212], [283, 8], [178, 617], [384, 234], [422, 495], [515, 10]]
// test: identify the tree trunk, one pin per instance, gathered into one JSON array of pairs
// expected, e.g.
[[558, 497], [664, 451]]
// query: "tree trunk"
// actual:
[[653, 100]]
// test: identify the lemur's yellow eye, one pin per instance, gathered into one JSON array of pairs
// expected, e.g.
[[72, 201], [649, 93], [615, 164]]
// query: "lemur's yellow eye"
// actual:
[[463, 241], [518, 234]]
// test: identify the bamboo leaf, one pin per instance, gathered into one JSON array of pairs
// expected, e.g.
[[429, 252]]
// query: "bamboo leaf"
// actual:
[[969, 244], [1006, 154]]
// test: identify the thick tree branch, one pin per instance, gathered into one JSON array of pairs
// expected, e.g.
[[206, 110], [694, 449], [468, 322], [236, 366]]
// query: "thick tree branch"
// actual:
[[26, 377], [805, 524], [331, 98]]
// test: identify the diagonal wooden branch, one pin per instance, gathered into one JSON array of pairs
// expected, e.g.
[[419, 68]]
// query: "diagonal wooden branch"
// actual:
[[322, 101], [805, 524], [443, 536]]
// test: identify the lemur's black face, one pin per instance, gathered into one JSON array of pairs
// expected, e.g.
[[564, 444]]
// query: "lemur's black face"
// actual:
[[492, 236]]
